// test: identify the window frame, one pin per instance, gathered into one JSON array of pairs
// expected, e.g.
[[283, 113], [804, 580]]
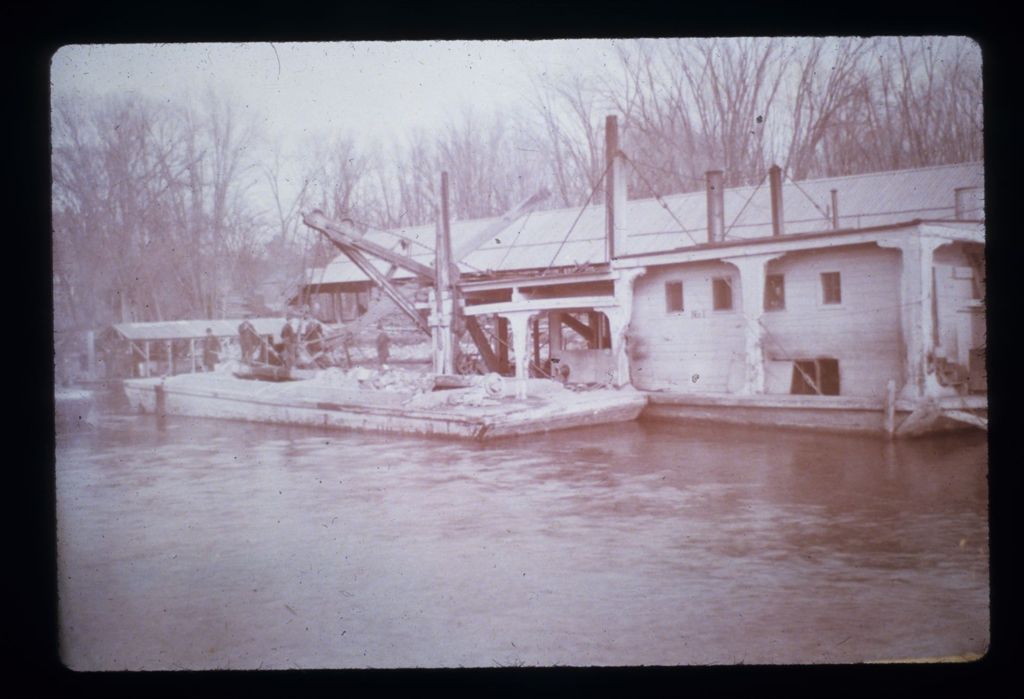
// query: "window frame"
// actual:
[[822, 300], [726, 282], [682, 297], [782, 297]]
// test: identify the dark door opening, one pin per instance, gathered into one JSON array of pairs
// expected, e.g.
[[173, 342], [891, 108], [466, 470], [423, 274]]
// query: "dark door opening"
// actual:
[[815, 376]]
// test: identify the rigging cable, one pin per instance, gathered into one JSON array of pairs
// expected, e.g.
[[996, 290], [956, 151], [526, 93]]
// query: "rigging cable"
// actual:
[[579, 216], [657, 196], [810, 199], [725, 234]]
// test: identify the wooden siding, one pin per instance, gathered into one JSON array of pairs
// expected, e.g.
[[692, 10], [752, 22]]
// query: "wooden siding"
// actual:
[[862, 332], [698, 349], [670, 350], [954, 292]]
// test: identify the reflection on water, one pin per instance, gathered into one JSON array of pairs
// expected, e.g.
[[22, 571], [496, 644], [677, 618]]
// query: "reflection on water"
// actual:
[[205, 544]]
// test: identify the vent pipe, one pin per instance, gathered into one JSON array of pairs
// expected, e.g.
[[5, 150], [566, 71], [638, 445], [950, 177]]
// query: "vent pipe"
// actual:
[[615, 190], [775, 185], [716, 206], [835, 209]]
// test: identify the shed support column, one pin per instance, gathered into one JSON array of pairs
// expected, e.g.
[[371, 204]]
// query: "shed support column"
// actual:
[[192, 352], [503, 344], [917, 322], [170, 358], [618, 322], [145, 355], [554, 334], [520, 324], [752, 277]]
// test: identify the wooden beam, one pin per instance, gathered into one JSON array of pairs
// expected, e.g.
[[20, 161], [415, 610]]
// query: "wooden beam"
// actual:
[[385, 285], [343, 233], [503, 222], [576, 324], [967, 418], [571, 303], [503, 345], [483, 344]]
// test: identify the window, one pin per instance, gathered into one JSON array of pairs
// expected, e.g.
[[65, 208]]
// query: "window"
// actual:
[[831, 288], [814, 376], [721, 292], [673, 297], [774, 292]]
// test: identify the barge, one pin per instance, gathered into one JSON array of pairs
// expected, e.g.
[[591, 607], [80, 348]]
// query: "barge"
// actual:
[[469, 413]]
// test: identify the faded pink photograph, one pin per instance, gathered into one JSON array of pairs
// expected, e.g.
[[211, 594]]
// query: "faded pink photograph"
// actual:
[[475, 354]]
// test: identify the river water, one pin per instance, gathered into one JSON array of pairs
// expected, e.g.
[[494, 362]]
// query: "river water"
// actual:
[[185, 543]]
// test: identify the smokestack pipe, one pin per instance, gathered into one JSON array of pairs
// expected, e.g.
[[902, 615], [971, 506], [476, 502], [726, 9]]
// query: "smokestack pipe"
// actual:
[[775, 185], [614, 198], [716, 206], [835, 209]]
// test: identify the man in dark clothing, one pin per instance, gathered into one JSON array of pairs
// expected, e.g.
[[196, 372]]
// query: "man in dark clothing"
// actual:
[[383, 344], [290, 337], [211, 350], [248, 340]]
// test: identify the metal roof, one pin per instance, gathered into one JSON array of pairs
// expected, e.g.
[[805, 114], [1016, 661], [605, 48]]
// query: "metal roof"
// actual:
[[549, 238], [186, 329]]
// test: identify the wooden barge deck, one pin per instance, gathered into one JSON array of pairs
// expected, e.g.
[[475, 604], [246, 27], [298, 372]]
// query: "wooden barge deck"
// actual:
[[466, 413], [461, 413]]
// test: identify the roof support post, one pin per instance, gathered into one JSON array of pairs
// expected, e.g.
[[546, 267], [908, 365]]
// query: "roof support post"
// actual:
[[520, 325], [554, 334], [444, 340], [917, 318], [619, 320], [503, 344], [752, 270]]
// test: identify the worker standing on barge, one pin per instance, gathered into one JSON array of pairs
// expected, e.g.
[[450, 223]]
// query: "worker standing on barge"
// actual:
[[290, 336], [211, 350]]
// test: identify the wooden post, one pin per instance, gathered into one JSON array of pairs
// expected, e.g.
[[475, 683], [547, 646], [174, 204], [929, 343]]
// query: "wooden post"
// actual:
[[503, 344], [537, 342], [170, 358], [192, 351], [752, 269], [916, 319], [520, 322], [554, 334], [890, 407], [145, 354], [594, 320], [618, 322], [444, 359]]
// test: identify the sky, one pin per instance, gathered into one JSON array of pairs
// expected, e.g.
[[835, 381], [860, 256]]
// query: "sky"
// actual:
[[378, 91]]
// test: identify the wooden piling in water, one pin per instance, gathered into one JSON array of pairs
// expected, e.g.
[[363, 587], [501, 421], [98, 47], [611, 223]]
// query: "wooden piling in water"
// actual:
[[890, 407]]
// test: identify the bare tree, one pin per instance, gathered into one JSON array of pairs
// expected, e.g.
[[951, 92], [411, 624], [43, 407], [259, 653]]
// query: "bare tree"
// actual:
[[150, 207]]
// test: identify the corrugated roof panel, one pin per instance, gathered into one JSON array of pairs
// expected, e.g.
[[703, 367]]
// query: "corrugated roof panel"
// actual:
[[531, 241]]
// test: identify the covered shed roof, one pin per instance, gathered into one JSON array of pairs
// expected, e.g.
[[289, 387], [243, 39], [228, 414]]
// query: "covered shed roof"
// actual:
[[544, 239], [186, 329]]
